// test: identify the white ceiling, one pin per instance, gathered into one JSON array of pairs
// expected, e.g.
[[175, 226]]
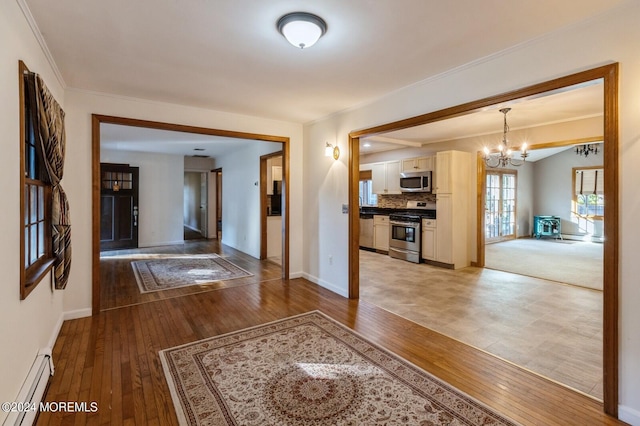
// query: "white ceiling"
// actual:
[[560, 106], [227, 54], [128, 138]]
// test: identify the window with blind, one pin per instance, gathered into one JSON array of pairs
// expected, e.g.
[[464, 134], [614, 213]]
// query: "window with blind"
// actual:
[[367, 197], [36, 253], [588, 193]]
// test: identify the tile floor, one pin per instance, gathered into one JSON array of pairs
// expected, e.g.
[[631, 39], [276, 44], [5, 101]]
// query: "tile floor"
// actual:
[[550, 328]]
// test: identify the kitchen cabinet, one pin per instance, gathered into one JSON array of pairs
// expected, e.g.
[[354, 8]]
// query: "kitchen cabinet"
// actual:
[[381, 232], [385, 177], [429, 238], [366, 232], [419, 164], [452, 207]]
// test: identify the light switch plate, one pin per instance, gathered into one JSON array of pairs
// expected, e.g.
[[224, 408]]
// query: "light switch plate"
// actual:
[[345, 209]]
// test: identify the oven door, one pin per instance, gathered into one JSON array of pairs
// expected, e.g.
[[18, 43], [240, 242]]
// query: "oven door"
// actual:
[[404, 235]]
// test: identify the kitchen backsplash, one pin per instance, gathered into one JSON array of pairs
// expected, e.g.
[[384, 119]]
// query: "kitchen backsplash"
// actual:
[[399, 201]]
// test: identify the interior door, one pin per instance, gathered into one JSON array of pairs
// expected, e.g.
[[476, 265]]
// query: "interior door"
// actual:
[[500, 206], [118, 206]]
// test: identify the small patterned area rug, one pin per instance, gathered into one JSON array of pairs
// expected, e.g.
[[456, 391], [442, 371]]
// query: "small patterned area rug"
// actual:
[[181, 271], [309, 370]]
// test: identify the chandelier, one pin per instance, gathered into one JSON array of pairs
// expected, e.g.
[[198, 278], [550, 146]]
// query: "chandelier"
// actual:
[[504, 156], [587, 149]]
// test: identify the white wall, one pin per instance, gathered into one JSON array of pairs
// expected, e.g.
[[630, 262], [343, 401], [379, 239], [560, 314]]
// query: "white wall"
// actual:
[[612, 37], [554, 186], [79, 107], [30, 324], [241, 196], [160, 195]]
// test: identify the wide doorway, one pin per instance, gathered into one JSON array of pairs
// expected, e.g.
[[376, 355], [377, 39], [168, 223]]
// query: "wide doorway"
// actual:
[[606, 302], [165, 264]]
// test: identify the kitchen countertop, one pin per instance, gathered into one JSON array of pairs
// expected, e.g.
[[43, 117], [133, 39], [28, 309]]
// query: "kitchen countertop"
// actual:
[[373, 210]]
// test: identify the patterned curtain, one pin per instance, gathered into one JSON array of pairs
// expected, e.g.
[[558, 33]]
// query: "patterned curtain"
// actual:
[[51, 136]]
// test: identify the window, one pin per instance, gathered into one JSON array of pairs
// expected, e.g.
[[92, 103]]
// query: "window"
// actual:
[[35, 195], [588, 192], [367, 197]]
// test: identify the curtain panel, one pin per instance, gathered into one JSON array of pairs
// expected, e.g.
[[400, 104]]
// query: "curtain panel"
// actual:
[[50, 135]]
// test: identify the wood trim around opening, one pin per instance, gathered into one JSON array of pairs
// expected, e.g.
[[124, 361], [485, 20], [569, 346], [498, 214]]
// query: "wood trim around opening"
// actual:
[[609, 74], [263, 201], [97, 119]]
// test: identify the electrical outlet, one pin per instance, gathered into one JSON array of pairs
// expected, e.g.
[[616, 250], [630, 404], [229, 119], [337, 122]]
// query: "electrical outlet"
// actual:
[[330, 259]]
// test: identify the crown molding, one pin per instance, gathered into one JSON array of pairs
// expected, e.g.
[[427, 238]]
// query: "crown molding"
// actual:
[[40, 39]]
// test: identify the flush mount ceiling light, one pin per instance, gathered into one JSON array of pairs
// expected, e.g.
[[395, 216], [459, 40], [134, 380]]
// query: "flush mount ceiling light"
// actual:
[[302, 29]]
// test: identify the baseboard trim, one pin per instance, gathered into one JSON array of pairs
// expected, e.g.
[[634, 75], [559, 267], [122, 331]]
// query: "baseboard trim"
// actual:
[[294, 275], [78, 313], [325, 284], [56, 331], [629, 415], [161, 243]]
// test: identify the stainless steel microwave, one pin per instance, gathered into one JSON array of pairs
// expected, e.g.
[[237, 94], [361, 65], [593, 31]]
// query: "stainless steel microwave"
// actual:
[[415, 182]]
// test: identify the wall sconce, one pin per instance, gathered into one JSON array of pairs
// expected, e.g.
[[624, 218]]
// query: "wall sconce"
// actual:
[[331, 150]]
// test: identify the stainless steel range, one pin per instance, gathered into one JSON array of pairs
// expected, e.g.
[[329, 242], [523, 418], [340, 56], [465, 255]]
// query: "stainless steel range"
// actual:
[[404, 230], [404, 237]]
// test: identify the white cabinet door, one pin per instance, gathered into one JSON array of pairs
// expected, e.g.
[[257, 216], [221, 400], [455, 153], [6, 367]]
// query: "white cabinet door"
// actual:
[[393, 177], [429, 237], [386, 178], [443, 172], [444, 242], [379, 178], [381, 232], [425, 164], [419, 164], [409, 165]]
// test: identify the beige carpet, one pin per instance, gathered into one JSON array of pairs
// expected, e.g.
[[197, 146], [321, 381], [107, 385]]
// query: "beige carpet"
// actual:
[[184, 270], [309, 370], [571, 262]]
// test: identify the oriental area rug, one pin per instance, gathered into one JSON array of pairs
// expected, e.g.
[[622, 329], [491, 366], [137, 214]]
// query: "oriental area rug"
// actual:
[[309, 370], [180, 271]]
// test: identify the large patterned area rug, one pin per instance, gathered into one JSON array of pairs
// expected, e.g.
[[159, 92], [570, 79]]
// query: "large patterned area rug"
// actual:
[[185, 270], [309, 370]]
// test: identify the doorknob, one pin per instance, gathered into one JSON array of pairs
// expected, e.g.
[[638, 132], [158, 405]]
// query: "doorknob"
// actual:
[[135, 215]]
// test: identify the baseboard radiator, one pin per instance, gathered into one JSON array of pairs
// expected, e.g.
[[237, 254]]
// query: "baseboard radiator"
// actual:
[[32, 391]]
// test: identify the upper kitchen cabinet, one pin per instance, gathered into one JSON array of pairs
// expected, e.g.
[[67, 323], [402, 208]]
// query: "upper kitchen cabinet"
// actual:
[[385, 177], [420, 164], [452, 170]]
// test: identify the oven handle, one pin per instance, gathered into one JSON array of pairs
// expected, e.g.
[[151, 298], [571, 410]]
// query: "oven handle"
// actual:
[[402, 250], [408, 224]]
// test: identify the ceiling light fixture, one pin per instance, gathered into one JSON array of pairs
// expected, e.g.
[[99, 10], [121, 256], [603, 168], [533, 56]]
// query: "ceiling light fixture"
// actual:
[[504, 157], [302, 29], [587, 149]]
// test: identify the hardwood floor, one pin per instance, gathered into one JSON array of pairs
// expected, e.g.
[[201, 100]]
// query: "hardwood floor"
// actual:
[[118, 283], [112, 358]]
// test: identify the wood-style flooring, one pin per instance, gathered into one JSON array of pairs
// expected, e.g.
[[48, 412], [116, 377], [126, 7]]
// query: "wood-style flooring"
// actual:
[[112, 358], [547, 327]]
